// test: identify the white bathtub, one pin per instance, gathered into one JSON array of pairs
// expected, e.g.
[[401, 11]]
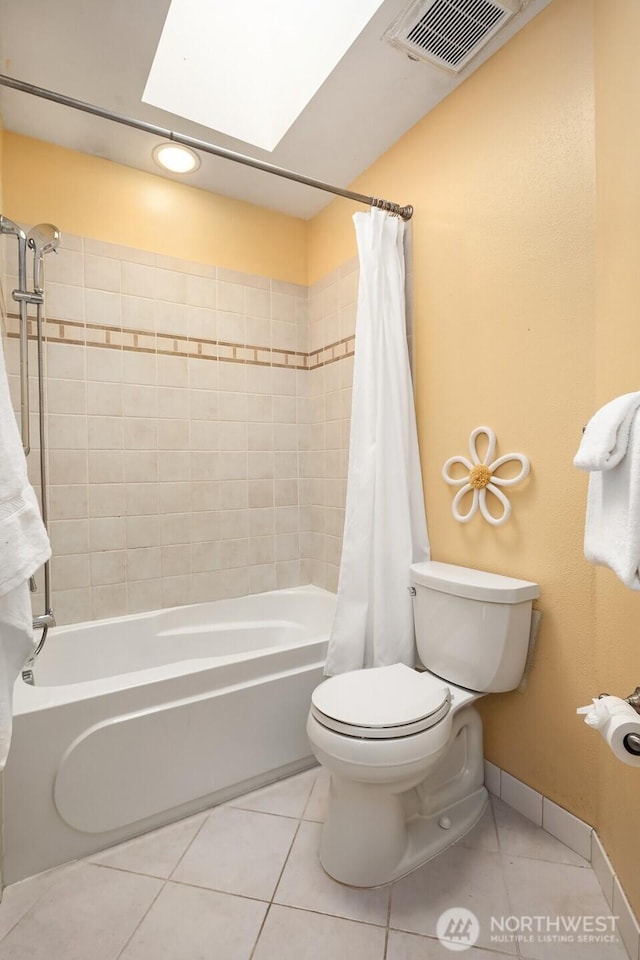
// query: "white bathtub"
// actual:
[[137, 721]]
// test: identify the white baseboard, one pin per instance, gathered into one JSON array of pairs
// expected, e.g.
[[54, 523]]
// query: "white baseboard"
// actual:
[[575, 834]]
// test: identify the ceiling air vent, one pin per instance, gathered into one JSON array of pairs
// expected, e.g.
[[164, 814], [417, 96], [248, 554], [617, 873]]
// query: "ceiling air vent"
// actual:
[[449, 33]]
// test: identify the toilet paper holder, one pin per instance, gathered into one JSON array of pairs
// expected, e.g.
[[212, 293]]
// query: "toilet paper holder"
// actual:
[[633, 699], [632, 740]]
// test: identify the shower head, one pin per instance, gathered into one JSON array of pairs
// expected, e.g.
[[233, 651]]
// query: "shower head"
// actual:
[[42, 239]]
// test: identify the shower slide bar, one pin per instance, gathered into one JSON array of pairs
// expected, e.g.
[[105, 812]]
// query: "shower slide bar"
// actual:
[[41, 240], [405, 212]]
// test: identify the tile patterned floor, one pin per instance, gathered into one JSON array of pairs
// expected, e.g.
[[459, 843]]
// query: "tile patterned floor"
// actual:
[[243, 882]]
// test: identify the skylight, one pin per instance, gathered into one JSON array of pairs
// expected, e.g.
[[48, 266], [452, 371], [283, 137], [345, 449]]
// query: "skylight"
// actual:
[[249, 69]]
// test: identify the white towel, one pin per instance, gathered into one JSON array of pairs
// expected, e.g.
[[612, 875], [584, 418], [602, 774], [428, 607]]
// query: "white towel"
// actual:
[[606, 436], [612, 529], [24, 546]]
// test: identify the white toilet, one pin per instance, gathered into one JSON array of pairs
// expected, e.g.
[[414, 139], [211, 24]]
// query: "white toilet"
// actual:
[[404, 746]]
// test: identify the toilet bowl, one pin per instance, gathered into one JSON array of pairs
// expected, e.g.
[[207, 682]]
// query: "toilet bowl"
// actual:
[[404, 746]]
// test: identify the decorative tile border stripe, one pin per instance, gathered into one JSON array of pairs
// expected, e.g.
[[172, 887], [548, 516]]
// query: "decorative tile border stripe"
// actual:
[[176, 345]]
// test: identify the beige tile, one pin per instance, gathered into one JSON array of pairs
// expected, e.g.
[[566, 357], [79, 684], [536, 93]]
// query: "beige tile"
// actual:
[[203, 465], [103, 307], [204, 435], [140, 400], [143, 563], [203, 404], [109, 601], [141, 499], [201, 292], [232, 465], [174, 497], [106, 500], [540, 888], [305, 884], [107, 533], [66, 361], [89, 912], [19, 898], [175, 528], [108, 567], [67, 431], [104, 399], [238, 851], [176, 591], [203, 374], [142, 531], [627, 925], [144, 595], [71, 606], [189, 923], [65, 302], [140, 368], [300, 935], [141, 466], [483, 836], [287, 798], [262, 550], [65, 267], [174, 467], [205, 525], [140, 434], [66, 396], [102, 273], [139, 314], [104, 364], [171, 285], [176, 560], [68, 501], [68, 466], [230, 297], [173, 371], [409, 946], [233, 495], [69, 536], [72, 572], [105, 433], [262, 577], [460, 877], [139, 280], [173, 435], [518, 836]]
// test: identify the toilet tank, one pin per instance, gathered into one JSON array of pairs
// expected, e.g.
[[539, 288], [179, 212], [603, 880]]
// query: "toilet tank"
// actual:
[[472, 627]]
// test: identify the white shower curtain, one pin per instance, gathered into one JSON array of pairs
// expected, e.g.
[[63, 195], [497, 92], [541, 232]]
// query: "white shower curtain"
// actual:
[[385, 525]]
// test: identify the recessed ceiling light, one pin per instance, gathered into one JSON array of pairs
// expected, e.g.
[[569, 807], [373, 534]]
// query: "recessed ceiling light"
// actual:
[[176, 158]]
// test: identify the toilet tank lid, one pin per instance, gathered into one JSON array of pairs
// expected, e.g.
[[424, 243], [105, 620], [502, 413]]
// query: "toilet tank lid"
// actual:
[[472, 584]]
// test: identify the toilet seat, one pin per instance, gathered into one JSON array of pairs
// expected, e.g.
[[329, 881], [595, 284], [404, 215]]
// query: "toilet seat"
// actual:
[[381, 703]]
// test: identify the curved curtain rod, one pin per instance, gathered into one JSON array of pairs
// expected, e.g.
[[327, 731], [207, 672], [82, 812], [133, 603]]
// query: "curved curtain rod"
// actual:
[[405, 212]]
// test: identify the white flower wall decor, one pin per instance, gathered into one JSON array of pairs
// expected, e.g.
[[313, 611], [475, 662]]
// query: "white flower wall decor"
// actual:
[[481, 479]]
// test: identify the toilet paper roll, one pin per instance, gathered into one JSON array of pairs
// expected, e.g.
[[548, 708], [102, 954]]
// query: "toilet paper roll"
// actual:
[[616, 720]]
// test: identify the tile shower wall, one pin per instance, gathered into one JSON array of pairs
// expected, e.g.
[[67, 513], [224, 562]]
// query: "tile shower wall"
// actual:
[[323, 431], [173, 396]]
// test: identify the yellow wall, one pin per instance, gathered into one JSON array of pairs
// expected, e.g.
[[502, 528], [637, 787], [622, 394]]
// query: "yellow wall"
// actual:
[[617, 348], [526, 318], [107, 201]]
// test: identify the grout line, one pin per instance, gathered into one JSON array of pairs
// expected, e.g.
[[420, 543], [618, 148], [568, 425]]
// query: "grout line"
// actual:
[[189, 845], [142, 918]]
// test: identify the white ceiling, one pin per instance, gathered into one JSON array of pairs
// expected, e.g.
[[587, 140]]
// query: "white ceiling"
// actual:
[[101, 51]]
